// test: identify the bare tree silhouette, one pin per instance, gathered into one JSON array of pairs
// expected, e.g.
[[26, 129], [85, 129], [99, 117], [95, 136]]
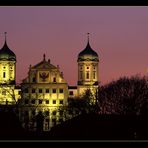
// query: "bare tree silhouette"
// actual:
[[85, 104], [124, 96]]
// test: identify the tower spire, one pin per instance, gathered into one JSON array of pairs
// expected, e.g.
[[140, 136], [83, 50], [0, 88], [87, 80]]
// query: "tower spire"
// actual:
[[5, 36], [88, 37], [44, 57]]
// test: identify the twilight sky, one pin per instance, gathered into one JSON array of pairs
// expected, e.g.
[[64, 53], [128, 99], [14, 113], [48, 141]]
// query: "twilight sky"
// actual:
[[119, 34]]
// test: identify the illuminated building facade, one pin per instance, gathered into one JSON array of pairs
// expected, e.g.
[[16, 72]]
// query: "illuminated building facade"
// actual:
[[44, 90], [88, 61], [9, 92]]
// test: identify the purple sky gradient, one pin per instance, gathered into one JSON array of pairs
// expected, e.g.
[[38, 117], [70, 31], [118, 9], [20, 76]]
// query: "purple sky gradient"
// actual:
[[118, 34]]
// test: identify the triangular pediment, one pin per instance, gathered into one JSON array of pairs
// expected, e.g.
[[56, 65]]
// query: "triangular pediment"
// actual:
[[44, 65]]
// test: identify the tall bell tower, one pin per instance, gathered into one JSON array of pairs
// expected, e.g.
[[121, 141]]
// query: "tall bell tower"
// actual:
[[88, 61], [9, 94], [7, 65]]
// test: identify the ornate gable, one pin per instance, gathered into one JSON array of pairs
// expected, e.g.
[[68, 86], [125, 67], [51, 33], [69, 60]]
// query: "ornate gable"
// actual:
[[44, 65]]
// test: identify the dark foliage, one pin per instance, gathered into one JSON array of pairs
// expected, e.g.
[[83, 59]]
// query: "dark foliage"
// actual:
[[122, 106], [40, 120], [10, 127], [80, 105], [124, 96], [102, 127]]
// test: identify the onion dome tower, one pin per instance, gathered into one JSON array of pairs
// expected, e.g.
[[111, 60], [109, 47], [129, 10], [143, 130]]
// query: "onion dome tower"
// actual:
[[7, 64], [87, 68]]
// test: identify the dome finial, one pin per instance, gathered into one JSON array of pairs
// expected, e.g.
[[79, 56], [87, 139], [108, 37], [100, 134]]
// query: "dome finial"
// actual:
[[44, 57], [88, 37], [5, 36]]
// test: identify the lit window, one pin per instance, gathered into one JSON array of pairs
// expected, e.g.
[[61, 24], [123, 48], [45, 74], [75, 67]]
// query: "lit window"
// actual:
[[87, 75], [40, 90], [61, 90], [54, 90], [54, 101], [61, 101], [47, 90], [47, 101], [94, 74], [4, 74], [54, 79]]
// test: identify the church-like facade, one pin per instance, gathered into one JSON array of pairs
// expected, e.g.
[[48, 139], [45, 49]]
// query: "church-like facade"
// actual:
[[44, 89]]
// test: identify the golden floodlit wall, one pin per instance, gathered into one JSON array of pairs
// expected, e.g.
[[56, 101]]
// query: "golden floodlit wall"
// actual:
[[45, 90]]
